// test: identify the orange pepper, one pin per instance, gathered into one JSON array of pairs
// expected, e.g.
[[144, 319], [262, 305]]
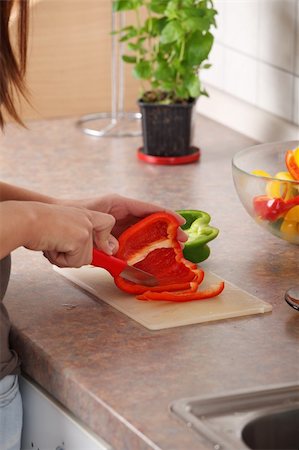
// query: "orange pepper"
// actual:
[[291, 163]]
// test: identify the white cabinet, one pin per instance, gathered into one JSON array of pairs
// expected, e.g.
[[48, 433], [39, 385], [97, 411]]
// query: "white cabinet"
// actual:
[[47, 426]]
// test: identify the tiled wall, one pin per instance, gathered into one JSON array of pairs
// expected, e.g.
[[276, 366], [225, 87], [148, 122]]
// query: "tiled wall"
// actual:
[[256, 54]]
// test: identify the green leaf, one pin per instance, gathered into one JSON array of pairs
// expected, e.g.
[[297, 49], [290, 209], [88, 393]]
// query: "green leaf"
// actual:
[[179, 66], [158, 6], [211, 13], [182, 92], [154, 26], [167, 86], [189, 4], [129, 59], [163, 72], [196, 23], [142, 70], [204, 92], [193, 85], [122, 5], [128, 33], [137, 46], [126, 5], [198, 47], [198, 12], [193, 12], [172, 9], [128, 28], [172, 32]]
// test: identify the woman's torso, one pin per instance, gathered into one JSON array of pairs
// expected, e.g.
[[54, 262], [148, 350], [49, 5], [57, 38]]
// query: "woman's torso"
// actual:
[[9, 363]]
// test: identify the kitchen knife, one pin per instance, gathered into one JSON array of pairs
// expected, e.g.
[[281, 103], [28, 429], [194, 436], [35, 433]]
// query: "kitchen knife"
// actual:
[[118, 267]]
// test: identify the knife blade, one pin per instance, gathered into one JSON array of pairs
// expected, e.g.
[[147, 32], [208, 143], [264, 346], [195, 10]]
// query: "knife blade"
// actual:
[[118, 267]]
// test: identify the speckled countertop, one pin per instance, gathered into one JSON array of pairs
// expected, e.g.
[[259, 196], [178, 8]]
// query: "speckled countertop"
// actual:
[[113, 374]]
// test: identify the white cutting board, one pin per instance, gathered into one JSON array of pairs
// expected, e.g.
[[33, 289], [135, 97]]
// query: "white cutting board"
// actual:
[[232, 302]]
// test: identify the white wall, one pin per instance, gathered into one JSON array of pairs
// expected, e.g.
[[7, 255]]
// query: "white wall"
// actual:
[[256, 57]]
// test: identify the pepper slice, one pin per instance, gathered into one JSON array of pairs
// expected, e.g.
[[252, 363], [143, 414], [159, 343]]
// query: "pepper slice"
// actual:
[[199, 234], [271, 208], [213, 291], [277, 188], [292, 162], [151, 245], [290, 224]]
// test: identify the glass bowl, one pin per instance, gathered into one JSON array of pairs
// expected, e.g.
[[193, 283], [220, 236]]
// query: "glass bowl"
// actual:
[[267, 190]]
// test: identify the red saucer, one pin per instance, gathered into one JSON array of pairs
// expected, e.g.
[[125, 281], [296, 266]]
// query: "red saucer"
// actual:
[[170, 160]]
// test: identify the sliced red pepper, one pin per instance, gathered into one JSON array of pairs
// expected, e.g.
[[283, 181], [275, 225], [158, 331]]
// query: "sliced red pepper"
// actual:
[[291, 164], [151, 245], [136, 289], [271, 208], [183, 296]]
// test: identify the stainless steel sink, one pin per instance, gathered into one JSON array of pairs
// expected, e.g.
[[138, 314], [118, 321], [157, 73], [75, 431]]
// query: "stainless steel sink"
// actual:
[[260, 419]]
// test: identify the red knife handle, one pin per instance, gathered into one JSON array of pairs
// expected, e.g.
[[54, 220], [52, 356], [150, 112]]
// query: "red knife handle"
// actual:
[[114, 265]]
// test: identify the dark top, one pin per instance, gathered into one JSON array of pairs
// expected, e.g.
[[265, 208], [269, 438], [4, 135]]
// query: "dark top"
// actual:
[[9, 363]]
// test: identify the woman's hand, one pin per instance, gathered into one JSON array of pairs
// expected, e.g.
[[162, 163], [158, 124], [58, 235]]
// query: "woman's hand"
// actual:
[[66, 235], [126, 211]]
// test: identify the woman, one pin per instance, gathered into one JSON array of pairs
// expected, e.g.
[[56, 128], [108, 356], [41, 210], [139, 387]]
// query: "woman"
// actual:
[[64, 230]]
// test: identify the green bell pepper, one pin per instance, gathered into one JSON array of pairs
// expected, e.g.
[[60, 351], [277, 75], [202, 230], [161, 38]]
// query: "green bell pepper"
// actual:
[[199, 233]]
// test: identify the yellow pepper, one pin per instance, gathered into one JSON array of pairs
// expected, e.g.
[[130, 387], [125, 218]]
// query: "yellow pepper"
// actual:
[[293, 214], [296, 155], [290, 224], [277, 189]]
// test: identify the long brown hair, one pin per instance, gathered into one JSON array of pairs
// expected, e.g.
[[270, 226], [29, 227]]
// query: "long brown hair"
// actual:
[[12, 59]]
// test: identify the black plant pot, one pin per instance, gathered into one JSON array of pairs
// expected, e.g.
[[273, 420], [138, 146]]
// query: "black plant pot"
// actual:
[[166, 129]]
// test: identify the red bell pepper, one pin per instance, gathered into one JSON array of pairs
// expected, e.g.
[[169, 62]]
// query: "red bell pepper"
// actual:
[[184, 296], [151, 245], [271, 208]]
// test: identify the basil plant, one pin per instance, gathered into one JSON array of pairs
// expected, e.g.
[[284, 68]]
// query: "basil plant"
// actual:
[[167, 43]]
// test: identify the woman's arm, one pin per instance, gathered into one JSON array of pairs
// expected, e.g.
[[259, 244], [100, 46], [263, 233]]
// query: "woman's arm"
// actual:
[[10, 192], [66, 235]]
